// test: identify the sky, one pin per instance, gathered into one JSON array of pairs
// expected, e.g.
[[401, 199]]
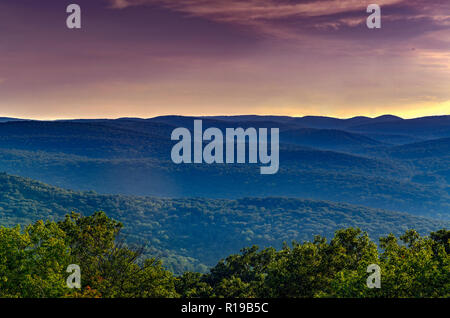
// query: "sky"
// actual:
[[144, 58]]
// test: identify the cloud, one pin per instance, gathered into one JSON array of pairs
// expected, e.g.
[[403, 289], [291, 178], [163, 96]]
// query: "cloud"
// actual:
[[290, 19], [121, 4], [245, 11], [241, 11]]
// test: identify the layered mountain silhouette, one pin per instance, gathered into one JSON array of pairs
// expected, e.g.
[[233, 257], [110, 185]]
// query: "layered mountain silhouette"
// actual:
[[383, 174], [190, 233], [384, 162]]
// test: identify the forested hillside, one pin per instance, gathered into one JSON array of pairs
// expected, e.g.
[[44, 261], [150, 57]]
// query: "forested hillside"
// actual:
[[34, 259], [191, 233], [375, 162]]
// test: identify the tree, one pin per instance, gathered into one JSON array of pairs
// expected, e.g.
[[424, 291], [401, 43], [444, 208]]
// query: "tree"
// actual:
[[108, 265], [33, 261]]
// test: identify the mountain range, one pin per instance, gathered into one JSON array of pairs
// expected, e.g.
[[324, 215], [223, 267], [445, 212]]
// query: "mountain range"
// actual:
[[383, 174], [385, 162], [194, 233]]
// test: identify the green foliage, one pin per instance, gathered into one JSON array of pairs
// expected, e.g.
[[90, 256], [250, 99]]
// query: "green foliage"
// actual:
[[417, 268], [33, 261], [193, 234]]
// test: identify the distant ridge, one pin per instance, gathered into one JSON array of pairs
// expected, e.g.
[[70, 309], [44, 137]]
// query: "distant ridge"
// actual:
[[310, 120], [358, 163], [430, 127], [205, 229], [387, 118], [8, 119], [320, 122]]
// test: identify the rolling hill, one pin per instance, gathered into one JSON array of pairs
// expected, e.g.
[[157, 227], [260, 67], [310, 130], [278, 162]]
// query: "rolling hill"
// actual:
[[330, 139], [425, 149], [427, 127], [132, 156], [190, 233]]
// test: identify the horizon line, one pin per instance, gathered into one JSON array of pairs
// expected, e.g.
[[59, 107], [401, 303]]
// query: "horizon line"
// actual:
[[211, 116]]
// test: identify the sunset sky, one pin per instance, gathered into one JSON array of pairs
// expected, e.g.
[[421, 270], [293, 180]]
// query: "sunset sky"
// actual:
[[144, 58]]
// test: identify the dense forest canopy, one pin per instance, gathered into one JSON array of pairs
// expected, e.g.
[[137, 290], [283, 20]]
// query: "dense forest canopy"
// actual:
[[176, 231], [34, 259], [195, 233]]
